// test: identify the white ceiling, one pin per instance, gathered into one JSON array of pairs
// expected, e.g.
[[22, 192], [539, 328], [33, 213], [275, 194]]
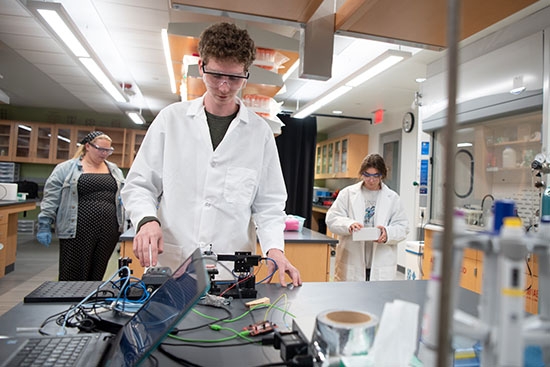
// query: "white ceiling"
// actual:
[[35, 71]]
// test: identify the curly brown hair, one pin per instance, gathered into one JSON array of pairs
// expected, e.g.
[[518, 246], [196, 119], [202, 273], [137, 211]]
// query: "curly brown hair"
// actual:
[[227, 42], [374, 161]]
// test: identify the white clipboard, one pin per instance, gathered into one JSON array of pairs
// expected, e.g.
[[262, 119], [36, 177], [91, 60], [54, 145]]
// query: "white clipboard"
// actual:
[[366, 234]]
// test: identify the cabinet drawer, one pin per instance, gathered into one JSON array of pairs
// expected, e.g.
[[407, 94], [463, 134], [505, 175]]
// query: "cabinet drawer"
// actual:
[[3, 218], [471, 254], [469, 275], [3, 233]]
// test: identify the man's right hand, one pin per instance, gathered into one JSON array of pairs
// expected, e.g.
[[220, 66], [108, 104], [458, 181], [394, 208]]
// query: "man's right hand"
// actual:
[[148, 243]]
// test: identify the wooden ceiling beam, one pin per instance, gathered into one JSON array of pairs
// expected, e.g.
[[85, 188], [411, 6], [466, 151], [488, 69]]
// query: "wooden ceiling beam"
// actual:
[[422, 22], [299, 11]]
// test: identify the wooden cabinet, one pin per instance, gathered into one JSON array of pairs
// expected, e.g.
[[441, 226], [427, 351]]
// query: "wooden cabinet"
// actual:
[[308, 251], [62, 146], [3, 241], [8, 232], [66, 141], [136, 138], [54, 143], [318, 215], [6, 145], [118, 137], [312, 260], [471, 269], [23, 133], [341, 157], [33, 142], [44, 138]]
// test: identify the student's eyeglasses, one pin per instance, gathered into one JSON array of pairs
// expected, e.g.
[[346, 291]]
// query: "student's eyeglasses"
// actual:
[[371, 175], [215, 79], [107, 151]]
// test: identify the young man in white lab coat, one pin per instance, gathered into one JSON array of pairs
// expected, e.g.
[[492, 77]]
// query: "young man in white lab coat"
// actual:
[[208, 171], [369, 203]]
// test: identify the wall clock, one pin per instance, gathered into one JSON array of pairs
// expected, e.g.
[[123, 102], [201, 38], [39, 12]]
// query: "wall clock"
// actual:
[[408, 122]]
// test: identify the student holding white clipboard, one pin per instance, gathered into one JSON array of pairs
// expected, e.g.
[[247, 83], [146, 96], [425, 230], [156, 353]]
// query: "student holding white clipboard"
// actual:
[[370, 221]]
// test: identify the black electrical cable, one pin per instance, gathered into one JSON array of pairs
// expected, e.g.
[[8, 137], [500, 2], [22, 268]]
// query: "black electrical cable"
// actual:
[[154, 360], [48, 320], [274, 364], [229, 316], [530, 275], [206, 346]]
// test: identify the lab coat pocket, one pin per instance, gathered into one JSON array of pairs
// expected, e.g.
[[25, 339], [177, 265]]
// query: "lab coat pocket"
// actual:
[[240, 184]]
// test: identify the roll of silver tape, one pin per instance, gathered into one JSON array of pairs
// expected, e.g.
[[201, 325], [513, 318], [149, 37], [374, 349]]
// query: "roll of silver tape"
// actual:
[[344, 333]]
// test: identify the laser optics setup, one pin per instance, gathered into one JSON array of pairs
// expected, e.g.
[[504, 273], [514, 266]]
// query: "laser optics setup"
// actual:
[[243, 285]]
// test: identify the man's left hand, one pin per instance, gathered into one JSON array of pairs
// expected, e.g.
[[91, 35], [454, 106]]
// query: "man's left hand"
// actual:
[[285, 267]]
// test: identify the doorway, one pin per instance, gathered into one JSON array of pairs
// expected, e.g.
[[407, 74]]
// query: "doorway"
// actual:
[[391, 146]]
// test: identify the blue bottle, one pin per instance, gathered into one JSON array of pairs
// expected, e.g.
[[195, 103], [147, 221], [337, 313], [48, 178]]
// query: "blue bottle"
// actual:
[[503, 208]]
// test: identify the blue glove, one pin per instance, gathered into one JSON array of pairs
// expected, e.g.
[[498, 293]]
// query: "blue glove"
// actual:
[[44, 235]]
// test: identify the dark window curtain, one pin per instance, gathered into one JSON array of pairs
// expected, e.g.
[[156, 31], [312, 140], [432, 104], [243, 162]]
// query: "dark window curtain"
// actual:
[[296, 147]]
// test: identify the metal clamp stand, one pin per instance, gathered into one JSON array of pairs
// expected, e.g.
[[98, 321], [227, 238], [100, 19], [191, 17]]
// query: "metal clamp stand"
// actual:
[[244, 285], [502, 327]]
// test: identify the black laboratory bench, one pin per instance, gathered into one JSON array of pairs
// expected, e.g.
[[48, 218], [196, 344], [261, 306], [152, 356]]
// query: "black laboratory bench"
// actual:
[[302, 305], [307, 250]]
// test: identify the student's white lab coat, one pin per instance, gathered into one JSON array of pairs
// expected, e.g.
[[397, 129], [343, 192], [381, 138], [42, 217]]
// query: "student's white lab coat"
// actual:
[[348, 208], [206, 197]]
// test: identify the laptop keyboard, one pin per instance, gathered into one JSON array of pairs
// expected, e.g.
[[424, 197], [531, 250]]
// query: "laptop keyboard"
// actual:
[[55, 351]]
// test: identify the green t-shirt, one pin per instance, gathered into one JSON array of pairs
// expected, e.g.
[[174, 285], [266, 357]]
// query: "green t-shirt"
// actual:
[[218, 126]]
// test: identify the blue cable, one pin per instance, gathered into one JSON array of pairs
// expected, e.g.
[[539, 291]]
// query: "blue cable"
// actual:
[[270, 275], [63, 330]]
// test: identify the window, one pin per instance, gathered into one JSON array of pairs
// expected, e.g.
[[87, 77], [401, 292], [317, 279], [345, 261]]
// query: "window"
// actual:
[[493, 157]]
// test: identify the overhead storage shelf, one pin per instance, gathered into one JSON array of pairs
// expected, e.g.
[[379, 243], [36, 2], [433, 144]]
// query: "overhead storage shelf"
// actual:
[[183, 40]]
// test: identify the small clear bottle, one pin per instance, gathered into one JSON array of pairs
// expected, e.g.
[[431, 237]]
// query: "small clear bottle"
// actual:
[[509, 158]]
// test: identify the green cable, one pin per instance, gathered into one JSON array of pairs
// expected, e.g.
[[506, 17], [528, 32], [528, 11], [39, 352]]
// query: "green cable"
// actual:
[[238, 334], [244, 314]]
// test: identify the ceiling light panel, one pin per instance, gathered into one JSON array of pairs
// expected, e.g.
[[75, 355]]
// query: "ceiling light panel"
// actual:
[[57, 20], [136, 117], [350, 55], [59, 26]]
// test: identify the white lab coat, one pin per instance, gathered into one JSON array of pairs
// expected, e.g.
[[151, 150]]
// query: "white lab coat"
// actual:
[[206, 197], [348, 208]]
